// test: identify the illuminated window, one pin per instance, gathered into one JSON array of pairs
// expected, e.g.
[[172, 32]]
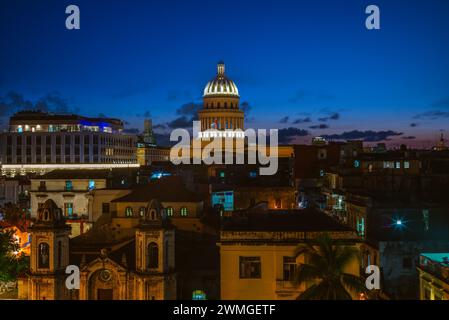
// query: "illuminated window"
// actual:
[[398, 165], [68, 209], [129, 212], [170, 212], [406, 165], [356, 163], [91, 184], [184, 212], [19, 129], [142, 211], [222, 174], [44, 255], [225, 199], [250, 268], [198, 295], [278, 203], [68, 185]]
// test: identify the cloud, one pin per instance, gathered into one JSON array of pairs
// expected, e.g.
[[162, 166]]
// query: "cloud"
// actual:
[[288, 134], [432, 115], [302, 120], [333, 116], [131, 131], [368, 135], [319, 126], [409, 137], [284, 119], [52, 102], [160, 126], [190, 110], [180, 122], [246, 107], [414, 124], [442, 103]]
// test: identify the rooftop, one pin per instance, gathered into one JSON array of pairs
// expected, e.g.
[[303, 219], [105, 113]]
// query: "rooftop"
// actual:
[[168, 189], [309, 220]]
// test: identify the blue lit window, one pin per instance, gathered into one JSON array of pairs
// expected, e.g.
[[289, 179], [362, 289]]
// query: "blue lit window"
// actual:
[[19, 129], [253, 174], [356, 163], [198, 295], [222, 174], [68, 185], [226, 199], [91, 184]]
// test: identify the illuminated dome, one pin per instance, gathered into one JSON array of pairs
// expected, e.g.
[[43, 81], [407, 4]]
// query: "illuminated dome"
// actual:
[[221, 85]]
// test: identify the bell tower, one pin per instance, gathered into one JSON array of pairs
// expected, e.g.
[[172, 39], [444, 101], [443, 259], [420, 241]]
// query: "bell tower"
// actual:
[[49, 254], [155, 255]]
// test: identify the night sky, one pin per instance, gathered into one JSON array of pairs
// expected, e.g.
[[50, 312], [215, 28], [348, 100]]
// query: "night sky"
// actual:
[[310, 66]]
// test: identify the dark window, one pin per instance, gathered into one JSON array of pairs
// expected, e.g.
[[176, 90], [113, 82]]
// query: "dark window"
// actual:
[[250, 268], [105, 207], [152, 256], [59, 254], [289, 268], [407, 263]]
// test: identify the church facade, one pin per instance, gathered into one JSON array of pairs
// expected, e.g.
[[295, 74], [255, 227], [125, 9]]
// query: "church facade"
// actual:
[[141, 267]]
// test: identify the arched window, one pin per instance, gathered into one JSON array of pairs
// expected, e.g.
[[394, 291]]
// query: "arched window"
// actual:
[[169, 212], [142, 211], [129, 212], [44, 255], [59, 254], [184, 212], [152, 256]]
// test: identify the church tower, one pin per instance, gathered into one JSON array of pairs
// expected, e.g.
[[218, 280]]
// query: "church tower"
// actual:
[[221, 102], [155, 255], [49, 254]]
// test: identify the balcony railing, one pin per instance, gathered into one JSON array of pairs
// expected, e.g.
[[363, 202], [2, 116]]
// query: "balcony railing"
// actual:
[[287, 285]]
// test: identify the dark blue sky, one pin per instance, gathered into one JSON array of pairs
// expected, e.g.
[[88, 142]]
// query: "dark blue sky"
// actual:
[[295, 59]]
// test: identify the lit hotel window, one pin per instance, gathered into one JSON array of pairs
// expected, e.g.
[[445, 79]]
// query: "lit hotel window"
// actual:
[[91, 184], [142, 211], [398, 165], [184, 212], [406, 165], [68, 185]]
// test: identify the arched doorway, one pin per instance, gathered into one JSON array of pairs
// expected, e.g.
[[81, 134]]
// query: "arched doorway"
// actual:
[[104, 285]]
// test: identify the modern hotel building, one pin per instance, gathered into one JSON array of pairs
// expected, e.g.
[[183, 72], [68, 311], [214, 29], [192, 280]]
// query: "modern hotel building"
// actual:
[[38, 142]]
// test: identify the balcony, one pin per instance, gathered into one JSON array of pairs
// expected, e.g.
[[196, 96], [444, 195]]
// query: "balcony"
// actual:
[[287, 286]]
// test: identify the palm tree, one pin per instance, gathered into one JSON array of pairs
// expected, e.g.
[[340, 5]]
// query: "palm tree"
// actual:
[[325, 267]]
